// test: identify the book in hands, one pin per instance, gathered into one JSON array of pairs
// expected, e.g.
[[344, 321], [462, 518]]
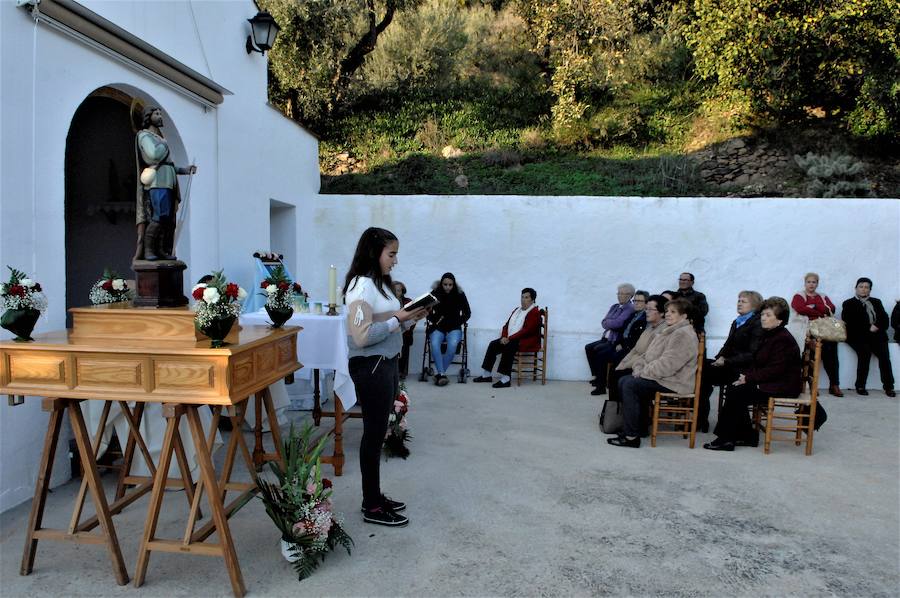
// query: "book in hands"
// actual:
[[426, 300]]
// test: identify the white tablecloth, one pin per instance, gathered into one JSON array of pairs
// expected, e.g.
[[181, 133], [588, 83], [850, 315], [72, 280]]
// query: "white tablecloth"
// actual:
[[321, 345]]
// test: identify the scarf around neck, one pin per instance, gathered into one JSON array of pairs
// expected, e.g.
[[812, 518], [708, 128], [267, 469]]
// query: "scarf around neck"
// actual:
[[517, 320], [870, 309], [741, 320]]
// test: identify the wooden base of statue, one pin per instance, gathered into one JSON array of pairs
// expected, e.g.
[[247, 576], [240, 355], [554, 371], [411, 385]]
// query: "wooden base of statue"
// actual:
[[160, 283]]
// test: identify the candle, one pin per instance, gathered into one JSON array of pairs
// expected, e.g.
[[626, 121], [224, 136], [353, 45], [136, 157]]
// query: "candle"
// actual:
[[332, 285]]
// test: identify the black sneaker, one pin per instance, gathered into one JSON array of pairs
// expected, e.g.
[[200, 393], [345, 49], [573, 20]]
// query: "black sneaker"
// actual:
[[393, 505], [383, 516]]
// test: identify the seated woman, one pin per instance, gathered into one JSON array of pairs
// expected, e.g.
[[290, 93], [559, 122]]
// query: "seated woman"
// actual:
[[669, 365], [522, 331], [775, 371], [445, 324], [737, 352]]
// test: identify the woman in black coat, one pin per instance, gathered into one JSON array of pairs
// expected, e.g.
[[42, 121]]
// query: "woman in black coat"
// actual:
[[445, 324], [867, 325], [737, 352], [775, 371]]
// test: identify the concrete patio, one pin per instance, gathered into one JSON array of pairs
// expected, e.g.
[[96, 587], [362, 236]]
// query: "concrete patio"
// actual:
[[515, 492]]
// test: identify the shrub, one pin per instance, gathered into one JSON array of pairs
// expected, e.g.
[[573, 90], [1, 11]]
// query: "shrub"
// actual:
[[501, 157], [834, 175], [785, 55]]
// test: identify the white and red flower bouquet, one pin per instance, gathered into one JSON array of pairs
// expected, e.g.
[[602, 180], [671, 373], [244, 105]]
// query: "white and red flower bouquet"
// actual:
[[279, 292], [299, 503], [24, 301], [398, 428], [218, 306], [111, 288]]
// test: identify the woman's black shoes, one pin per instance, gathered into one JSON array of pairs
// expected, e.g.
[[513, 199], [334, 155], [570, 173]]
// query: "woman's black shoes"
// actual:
[[890, 392], [482, 379], [390, 504], [625, 441], [719, 445], [384, 516], [499, 384], [862, 392]]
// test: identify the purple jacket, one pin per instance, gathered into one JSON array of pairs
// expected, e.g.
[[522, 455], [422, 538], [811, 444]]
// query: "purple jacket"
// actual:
[[615, 320]]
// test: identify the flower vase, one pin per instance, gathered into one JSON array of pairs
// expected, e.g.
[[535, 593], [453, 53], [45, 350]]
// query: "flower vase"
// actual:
[[20, 322], [217, 330], [287, 549], [279, 316]]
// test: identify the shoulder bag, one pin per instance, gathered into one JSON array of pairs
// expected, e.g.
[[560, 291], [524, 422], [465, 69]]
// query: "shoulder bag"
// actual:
[[828, 328]]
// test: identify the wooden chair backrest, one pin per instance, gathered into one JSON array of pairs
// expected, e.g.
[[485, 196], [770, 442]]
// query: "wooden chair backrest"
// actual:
[[701, 339], [545, 328], [812, 357]]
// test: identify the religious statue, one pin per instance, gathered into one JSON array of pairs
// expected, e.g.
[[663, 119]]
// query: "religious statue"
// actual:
[[158, 194]]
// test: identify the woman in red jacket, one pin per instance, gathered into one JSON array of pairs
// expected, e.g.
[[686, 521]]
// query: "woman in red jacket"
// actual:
[[811, 304], [775, 371], [522, 332]]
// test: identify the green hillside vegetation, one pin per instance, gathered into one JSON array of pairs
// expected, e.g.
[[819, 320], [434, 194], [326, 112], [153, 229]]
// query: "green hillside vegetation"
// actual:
[[594, 97]]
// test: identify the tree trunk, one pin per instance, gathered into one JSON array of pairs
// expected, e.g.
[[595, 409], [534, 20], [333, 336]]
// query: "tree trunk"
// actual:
[[357, 55]]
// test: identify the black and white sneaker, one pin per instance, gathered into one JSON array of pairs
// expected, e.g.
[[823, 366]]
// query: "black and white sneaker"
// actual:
[[383, 516], [393, 505]]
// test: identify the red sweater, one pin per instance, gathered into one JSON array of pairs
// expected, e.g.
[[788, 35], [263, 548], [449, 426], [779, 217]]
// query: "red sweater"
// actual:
[[529, 336], [812, 307]]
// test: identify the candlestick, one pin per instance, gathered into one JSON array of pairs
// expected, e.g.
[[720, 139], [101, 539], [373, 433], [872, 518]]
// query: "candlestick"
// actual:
[[332, 285]]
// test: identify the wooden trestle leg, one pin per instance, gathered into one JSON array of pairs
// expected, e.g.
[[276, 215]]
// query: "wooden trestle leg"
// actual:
[[103, 518], [209, 485]]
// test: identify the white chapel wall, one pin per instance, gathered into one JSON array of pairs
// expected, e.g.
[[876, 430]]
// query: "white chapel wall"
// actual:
[[247, 153]]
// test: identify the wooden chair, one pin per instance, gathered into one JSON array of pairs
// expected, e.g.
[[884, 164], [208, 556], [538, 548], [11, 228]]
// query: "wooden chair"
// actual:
[[534, 362], [786, 414], [679, 410]]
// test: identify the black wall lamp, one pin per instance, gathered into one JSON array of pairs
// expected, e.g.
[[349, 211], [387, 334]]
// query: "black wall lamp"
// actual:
[[263, 31]]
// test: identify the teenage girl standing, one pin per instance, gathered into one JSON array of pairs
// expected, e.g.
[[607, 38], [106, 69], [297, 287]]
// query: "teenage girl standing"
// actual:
[[375, 323]]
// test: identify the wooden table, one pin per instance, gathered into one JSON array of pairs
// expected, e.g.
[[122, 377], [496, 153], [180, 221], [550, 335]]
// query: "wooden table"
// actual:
[[149, 355], [323, 346]]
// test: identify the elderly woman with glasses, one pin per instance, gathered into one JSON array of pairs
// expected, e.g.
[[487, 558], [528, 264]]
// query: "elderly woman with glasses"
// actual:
[[774, 371], [743, 339]]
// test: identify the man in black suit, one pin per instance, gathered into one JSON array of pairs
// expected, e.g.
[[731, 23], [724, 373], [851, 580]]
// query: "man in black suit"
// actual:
[[697, 299], [867, 324]]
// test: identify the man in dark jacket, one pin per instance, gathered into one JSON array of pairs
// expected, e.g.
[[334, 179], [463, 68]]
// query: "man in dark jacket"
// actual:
[[867, 325], [697, 299]]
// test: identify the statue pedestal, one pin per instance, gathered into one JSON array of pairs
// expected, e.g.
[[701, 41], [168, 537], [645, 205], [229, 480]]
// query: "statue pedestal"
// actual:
[[159, 283]]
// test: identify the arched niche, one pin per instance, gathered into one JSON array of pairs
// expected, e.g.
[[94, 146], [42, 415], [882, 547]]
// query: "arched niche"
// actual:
[[101, 187]]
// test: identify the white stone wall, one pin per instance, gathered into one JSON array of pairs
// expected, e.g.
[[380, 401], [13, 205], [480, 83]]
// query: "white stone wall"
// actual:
[[247, 154], [575, 250]]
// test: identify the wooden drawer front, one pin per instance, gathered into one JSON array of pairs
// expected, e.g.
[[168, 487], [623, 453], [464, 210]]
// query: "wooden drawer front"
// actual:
[[242, 372], [31, 368], [287, 351], [195, 376], [109, 373], [266, 359]]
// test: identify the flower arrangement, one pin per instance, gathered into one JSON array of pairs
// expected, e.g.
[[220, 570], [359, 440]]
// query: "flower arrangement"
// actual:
[[398, 429], [279, 290], [111, 288], [218, 306], [299, 503], [21, 292], [24, 301]]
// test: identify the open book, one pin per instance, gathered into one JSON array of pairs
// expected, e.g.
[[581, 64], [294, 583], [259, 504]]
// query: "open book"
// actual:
[[426, 300]]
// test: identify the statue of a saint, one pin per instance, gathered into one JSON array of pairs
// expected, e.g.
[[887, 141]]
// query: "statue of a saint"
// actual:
[[158, 194]]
